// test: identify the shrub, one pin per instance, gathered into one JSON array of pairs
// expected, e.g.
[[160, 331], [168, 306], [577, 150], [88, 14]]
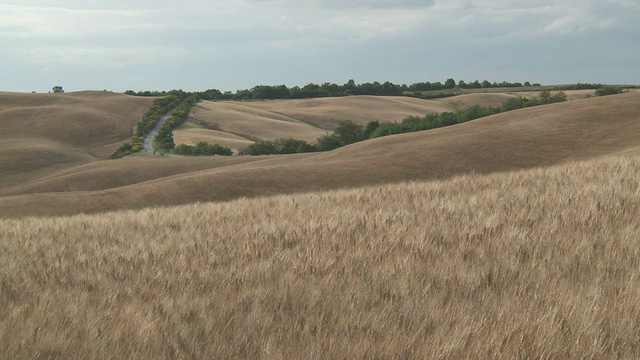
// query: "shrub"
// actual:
[[608, 90], [202, 149]]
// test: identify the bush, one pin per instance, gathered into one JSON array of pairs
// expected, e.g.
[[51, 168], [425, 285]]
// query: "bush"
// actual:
[[202, 149], [608, 90], [278, 147]]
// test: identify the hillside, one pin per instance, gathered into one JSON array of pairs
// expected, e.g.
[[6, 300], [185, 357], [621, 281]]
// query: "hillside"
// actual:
[[88, 120], [540, 136], [45, 133], [523, 264], [306, 119], [236, 124]]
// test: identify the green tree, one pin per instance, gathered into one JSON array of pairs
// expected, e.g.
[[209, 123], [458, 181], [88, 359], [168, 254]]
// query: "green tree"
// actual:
[[450, 83], [608, 90], [348, 132], [327, 143], [370, 128], [57, 89]]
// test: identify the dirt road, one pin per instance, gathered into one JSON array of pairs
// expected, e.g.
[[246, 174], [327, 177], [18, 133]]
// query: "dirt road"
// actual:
[[148, 140]]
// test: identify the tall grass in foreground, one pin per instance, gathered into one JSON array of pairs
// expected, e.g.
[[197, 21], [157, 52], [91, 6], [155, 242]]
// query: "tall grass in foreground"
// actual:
[[538, 263]]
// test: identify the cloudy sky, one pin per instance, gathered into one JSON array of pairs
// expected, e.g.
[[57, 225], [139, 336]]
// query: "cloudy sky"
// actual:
[[235, 44]]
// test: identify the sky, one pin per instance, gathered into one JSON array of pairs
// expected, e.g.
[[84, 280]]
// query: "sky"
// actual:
[[195, 45]]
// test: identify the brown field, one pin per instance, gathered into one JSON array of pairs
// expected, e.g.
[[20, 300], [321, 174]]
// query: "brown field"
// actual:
[[306, 119], [483, 99], [540, 136], [191, 135], [538, 263], [94, 122], [512, 236]]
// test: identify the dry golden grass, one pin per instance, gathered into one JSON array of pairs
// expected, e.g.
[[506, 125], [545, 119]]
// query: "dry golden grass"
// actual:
[[46, 133], [23, 160], [300, 119], [326, 113], [87, 120], [482, 99], [246, 120], [540, 263], [190, 136], [540, 136]]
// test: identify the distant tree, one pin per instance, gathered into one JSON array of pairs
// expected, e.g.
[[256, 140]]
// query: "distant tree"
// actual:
[[544, 96], [350, 85], [327, 143], [348, 132], [608, 90], [450, 83], [202, 149], [57, 89], [475, 85], [370, 128], [560, 96]]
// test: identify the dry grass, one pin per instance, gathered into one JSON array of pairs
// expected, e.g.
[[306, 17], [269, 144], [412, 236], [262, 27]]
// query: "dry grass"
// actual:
[[301, 119], [247, 120], [482, 99], [540, 263], [533, 137], [191, 136], [82, 120], [46, 133]]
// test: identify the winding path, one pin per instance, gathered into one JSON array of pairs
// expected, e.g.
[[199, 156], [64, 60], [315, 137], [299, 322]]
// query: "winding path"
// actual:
[[148, 140]]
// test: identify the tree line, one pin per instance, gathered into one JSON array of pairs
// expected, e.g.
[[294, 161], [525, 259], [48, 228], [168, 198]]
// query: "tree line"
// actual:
[[311, 90]]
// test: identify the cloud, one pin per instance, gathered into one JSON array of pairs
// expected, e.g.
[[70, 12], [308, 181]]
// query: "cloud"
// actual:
[[94, 57], [278, 36], [52, 22], [382, 4], [354, 4]]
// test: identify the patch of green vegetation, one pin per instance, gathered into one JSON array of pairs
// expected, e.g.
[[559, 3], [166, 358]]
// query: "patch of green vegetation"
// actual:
[[201, 149], [609, 90]]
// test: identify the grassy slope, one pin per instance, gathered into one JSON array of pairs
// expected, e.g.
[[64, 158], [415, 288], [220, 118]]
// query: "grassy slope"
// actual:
[[88, 120], [300, 119], [528, 264], [237, 124], [540, 136], [45, 133]]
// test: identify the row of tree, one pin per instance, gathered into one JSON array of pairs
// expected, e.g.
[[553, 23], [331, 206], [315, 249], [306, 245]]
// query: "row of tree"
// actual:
[[158, 109], [163, 141], [270, 92], [202, 149], [348, 132]]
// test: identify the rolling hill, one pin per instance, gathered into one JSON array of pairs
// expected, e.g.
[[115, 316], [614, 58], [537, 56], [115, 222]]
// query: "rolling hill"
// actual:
[[236, 124], [533, 137], [44, 133], [511, 236]]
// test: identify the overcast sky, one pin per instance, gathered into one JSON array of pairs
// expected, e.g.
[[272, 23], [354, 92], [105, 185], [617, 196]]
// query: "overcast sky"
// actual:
[[236, 44]]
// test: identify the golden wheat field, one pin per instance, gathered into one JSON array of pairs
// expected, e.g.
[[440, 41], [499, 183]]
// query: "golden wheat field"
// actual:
[[538, 263]]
